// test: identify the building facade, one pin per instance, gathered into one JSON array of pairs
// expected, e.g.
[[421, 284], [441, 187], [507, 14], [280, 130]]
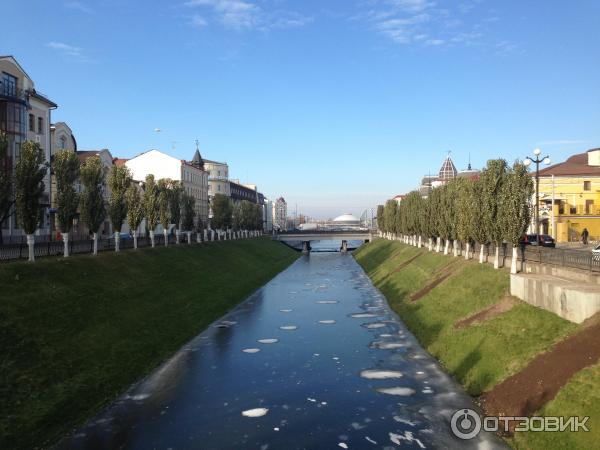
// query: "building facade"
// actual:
[[267, 215], [25, 114], [191, 174], [239, 192], [218, 178], [280, 214], [569, 197]]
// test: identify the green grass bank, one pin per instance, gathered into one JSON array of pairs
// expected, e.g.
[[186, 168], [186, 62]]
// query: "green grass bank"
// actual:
[[482, 353], [75, 333]]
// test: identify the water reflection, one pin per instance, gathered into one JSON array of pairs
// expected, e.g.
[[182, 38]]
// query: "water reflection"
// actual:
[[334, 367]]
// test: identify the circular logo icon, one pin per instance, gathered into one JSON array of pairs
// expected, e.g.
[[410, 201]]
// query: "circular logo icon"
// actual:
[[465, 424]]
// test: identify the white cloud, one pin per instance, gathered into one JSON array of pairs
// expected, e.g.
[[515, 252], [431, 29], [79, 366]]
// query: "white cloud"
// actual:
[[423, 22], [246, 15], [79, 6], [66, 49], [198, 21]]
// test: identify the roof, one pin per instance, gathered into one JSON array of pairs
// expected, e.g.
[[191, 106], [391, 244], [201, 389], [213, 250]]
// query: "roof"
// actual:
[[210, 161], [448, 169], [119, 161], [197, 159], [14, 60], [43, 98], [346, 217], [574, 165], [83, 155]]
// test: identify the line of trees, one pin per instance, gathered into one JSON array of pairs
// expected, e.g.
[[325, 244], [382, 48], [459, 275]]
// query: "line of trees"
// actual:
[[243, 215], [490, 210], [161, 201]]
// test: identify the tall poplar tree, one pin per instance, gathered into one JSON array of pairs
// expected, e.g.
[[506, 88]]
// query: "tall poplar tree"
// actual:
[[119, 180], [66, 172], [493, 176], [150, 201], [29, 189], [91, 202], [515, 197]]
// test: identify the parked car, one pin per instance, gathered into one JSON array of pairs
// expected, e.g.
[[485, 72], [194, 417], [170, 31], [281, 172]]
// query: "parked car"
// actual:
[[124, 236], [596, 253], [544, 240]]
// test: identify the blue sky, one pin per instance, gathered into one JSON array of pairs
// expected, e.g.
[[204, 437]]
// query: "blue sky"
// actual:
[[336, 105]]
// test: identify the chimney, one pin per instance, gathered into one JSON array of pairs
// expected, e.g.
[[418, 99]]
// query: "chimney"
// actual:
[[593, 157]]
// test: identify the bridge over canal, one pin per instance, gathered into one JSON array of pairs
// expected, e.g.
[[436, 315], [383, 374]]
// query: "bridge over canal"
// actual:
[[306, 236]]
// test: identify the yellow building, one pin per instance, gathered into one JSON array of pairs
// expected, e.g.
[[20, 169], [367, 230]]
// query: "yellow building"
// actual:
[[570, 197]]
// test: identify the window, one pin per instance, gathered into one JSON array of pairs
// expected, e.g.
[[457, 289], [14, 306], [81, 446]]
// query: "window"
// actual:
[[9, 85], [589, 206], [62, 142], [31, 122], [219, 187], [219, 172], [587, 185], [40, 129]]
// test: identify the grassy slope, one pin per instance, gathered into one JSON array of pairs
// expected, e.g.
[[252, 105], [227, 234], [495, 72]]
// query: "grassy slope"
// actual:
[[76, 333], [580, 397], [478, 356]]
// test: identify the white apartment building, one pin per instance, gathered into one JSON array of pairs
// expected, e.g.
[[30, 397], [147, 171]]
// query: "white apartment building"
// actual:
[[280, 214], [24, 115], [268, 215], [191, 174]]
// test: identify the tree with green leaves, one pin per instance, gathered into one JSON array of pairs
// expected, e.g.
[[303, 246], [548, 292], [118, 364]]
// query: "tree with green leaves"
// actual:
[[7, 198], [175, 191], [391, 219], [222, 211], [515, 196], [135, 210], [151, 205], [188, 207], [91, 203], [29, 186], [435, 208], [66, 172], [466, 205], [380, 219], [119, 179], [493, 176], [236, 216], [480, 231], [164, 210]]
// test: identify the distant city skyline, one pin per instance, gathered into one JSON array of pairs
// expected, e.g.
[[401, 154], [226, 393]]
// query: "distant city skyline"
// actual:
[[336, 106]]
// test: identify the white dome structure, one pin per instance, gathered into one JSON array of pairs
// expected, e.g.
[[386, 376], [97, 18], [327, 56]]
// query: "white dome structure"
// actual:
[[346, 219]]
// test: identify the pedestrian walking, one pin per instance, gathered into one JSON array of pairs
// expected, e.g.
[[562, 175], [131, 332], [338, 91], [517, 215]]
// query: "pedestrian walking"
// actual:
[[584, 236]]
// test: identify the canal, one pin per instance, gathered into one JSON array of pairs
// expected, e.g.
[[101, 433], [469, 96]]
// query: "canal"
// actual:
[[315, 359]]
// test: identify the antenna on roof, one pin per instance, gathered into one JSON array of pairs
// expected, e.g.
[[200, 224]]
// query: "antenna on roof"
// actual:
[[469, 166]]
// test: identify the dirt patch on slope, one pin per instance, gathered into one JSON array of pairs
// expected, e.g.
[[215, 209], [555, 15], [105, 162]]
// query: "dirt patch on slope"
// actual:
[[496, 309], [527, 391], [444, 273], [406, 263]]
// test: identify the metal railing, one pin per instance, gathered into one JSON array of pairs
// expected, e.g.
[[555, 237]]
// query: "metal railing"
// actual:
[[576, 259], [56, 248]]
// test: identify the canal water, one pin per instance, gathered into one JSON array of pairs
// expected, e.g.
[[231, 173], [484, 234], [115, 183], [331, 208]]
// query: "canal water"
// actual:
[[313, 360]]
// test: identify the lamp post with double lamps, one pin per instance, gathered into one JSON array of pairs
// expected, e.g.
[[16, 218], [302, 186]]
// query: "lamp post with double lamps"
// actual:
[[537, 161]]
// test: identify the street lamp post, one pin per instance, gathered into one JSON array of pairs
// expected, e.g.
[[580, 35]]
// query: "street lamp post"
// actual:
[[537, 161]]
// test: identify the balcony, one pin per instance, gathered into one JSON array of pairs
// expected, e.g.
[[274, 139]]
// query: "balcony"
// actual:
[[217, 178], [12, 93]]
